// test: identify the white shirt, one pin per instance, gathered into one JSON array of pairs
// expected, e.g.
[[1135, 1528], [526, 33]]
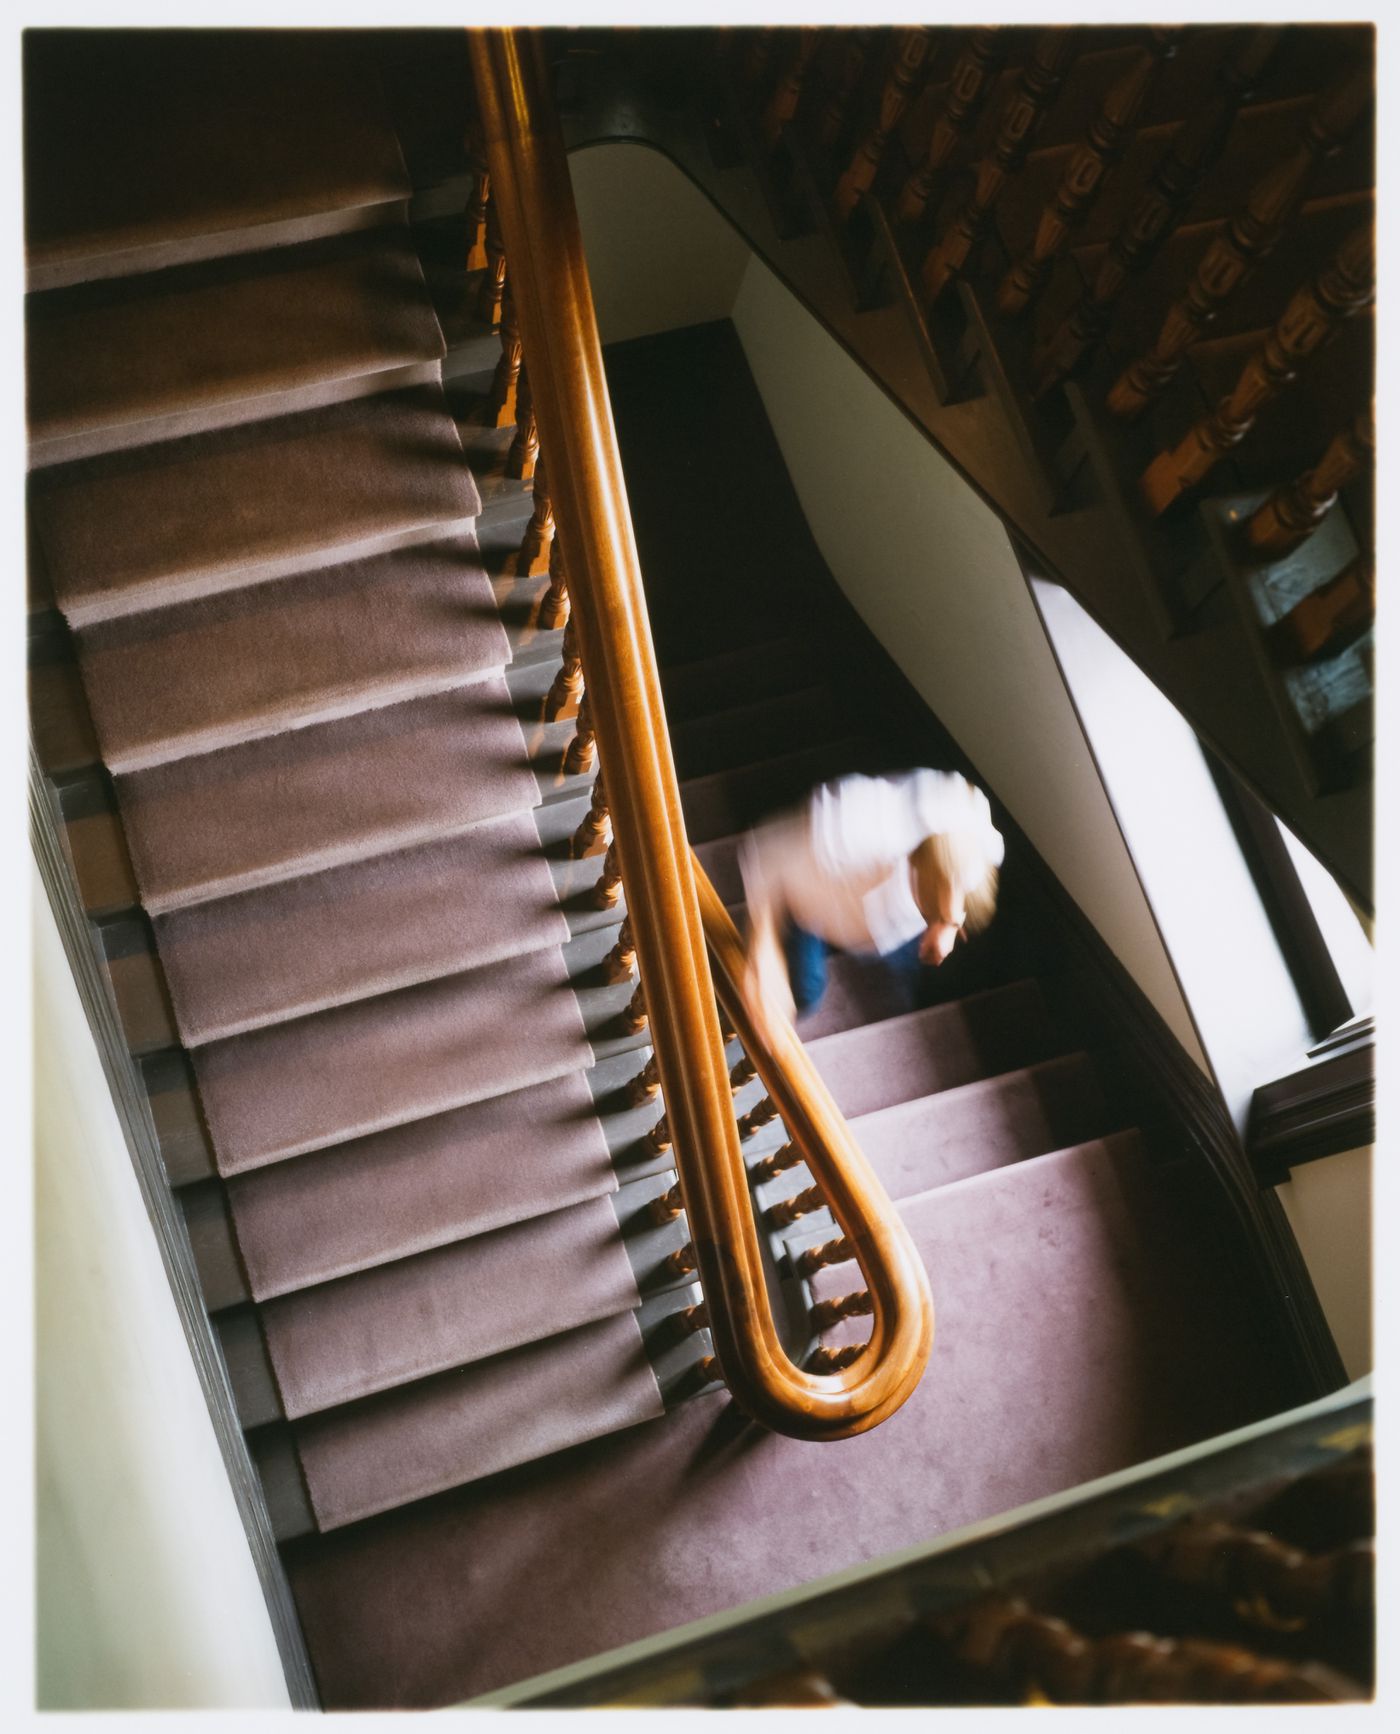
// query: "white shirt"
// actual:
[[839, 865]]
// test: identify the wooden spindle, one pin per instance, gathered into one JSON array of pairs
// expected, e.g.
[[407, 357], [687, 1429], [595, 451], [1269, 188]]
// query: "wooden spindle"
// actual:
[[666, 1207], [972, 79], [911, 51], [1312, 317], [818, 1257], [681, 1262], [758, 52], [853, 47], [763, 1113], [689, 1321], [1178, 174], [658, 1141], [742, 1072], [824, 1360], [783, 103], [1249, 237], [1086, 173], [525, 447], [621, 962], [634, 1016], [793, 1689], [726, 1024], [491, 295], [1290, 516], [646, 1085], [778, 1163], [583, 748], [1267, 1582], [789, 1210], [567, 688], [595, 831], [477, 256], [1026, 108], [500, 403], [827, 1313], [536, 556], [609, 887], [1329, 619], [706, 1371]]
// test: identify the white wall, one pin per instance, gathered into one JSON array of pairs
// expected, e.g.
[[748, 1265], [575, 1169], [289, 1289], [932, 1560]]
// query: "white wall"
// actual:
[[1328, 1205], [146, 1594]]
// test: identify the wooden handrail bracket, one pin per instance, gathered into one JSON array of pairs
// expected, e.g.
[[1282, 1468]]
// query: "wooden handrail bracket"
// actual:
[[676, 915]]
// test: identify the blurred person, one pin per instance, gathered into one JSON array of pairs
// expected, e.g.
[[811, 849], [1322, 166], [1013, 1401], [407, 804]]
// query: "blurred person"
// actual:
[[900, 867]]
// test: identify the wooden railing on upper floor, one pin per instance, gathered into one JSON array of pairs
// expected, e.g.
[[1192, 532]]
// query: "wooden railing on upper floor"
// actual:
[[676, 922]]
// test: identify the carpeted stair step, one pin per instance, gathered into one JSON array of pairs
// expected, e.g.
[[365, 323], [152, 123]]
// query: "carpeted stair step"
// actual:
[[395, 1323], [248, 663], [388, 922], [217, 511], [729, 801], [714, 683], [214, 345], [1077, 1334], [921, 1052], [376, 1063], [764, 728], [145, 149], [318, 797], [465, 1425], [423, 1184]]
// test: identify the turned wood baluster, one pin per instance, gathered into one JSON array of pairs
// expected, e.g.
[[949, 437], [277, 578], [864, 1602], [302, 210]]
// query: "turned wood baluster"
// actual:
[[778, 1163], [968, 88], [609, 887], [910, 54], [583, 748], [647, 1083], [1291, 515], [667, 1207], [1026, 108], [1249, 237], [658, 1141], [829, 1252], [741, 1073], [525, 447], [477, 258], [593, 834], [1337, 293], [1331, 617], [634, 1017], [681, 1262], [1175, 180], [789, 1210], [536, 556], [1086, 172], [1267, 1581], [760, 1115], [554, 604], [568, 683], [491, 295], [500, 403], [824, 1360], [621, 961], [689, 1321], [782, 105], [827, 1313], [854, 45]]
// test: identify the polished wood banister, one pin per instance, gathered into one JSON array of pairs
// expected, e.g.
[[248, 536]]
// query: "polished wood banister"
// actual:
[[533, 202]]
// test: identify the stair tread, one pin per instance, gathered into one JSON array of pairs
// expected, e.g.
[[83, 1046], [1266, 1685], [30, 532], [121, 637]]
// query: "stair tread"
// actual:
[[764, 727], [201, 827], [727, 801], [696, 689], [462, 1426], [217, 511], [396, 1323], [281, 952], [419, 1185], [914, 1055], [147, 148], [363, 1067], [247, 663], [1059, 1357], [215, 345]]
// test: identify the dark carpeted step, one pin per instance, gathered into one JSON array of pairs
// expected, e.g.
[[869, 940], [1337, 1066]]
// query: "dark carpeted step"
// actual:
[[319, 797], [1077, 1335], [907, 1057], [859, 990], [729, 801], [210, 346], [249, 663], [217, 511], [764, 728], [377, 1063], [148, 148], [715, 683], [395, 1323], [463, 1426], [323, 939], [420, 1185]]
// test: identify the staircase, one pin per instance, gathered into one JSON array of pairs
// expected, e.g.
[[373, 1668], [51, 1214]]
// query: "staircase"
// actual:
[[287, 688]]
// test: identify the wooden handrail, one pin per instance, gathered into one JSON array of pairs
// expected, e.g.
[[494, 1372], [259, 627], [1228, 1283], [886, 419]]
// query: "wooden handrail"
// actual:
[[549, 280]]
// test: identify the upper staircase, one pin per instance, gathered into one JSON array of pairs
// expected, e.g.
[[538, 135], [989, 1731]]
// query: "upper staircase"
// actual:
[[326, 799]]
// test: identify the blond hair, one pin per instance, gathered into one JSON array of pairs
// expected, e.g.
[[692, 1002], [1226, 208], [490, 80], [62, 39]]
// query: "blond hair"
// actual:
[[950, 864]]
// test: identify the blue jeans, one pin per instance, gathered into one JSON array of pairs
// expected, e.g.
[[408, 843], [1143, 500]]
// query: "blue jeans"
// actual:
[[806, 964]]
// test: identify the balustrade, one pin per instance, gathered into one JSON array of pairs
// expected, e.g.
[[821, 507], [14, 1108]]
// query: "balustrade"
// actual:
[[666, 1207], [621, 962], [815, 1258], [476, 255], [1330, 618], [853, 46], [824, 1360], [567, 688], [972, 79], [658, 1141], [856, 1304], [500, 401], [634, 1016], [583, 748], [762, 1114], [525, 447], [742, 1072], [491, 295], [787, 94], [1289, 516], [537, 553], [594, 832], [778, 1163], [789, 1210], [647, 1083], [911, 50], [1266, 1582]]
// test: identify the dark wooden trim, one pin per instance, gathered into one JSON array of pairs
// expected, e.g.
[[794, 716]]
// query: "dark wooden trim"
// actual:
[[1320, 1110], [133, 1111]]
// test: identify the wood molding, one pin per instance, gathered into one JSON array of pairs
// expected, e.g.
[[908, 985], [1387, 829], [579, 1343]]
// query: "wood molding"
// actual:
[[133, 1112], [1320, 1110]]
